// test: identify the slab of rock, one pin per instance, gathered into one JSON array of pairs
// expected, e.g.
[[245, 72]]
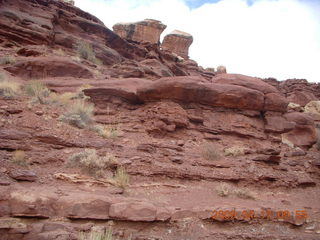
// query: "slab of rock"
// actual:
[[148, 30], [245, 81], [278, 124], [42, 67], [191, 90], [133, 211], [304, 134], [178, 42], [97, 209], [28, 204], [23, 175]]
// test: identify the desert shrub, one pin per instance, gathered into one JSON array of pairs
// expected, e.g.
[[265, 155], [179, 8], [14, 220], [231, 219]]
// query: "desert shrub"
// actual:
[[38, 91], [85, 51], [121, 178], [225, 190], [19, 158], [90, 162], [244, 193], [95, 235], [106, 131], [234, 151], [60, 52], [209, 151], [9, 89], [79, 114], [7, 60], [221, 69]]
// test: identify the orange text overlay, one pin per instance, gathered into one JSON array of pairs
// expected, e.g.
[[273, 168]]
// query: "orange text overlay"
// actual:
[[263, 214]]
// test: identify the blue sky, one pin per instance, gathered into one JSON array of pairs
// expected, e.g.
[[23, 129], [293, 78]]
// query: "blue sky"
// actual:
[[263, 38]]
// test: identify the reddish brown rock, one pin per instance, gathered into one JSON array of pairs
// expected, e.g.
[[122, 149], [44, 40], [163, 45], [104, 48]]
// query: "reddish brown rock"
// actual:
[[245, 81], [148, 30], [301, 97], [97, 209], [42, 67], [275, 102], [27, 204], [133, 211], [189, 90], [278, 124], [178, 42], [304, 134], [23, 175]]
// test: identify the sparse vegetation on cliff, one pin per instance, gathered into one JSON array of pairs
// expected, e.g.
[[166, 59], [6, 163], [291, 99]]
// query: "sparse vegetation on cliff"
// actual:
[[225, 190], [19, 158], [9, 89], [95, 235], [121, 177], [38, 91], [90, 162], [85, 51], [79, 114], [209, 151], [7, 60]]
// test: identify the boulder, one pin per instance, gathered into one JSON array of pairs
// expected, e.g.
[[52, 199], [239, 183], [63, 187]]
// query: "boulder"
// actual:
[[148, 30], [178, 42], [313, 109]]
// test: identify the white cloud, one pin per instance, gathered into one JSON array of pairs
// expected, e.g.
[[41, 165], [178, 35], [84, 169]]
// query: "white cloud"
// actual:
[[271, 38]]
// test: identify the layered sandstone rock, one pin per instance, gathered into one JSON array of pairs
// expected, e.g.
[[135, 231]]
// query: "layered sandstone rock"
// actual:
[[227, 91], [304, 134], [178, 42], [148, 30]]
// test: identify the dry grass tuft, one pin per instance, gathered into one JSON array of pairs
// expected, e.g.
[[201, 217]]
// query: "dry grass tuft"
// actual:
[[209, 151], [85, 51], [225, 190], [79, 114], [234, 151], [7, 60], [121, 178], [19, 158], [38, 91], [9, 89], [106, 131], [90, 162], [95, 235]]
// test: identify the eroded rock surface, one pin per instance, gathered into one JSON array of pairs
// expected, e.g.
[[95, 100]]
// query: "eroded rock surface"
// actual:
[[178, 42]]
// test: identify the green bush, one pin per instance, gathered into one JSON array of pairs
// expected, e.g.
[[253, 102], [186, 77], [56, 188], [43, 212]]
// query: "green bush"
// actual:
[[79, 114]]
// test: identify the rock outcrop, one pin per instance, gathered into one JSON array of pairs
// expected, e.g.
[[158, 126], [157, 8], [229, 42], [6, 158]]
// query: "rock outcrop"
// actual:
[[164, 141], [178, 42], [148, 30]]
